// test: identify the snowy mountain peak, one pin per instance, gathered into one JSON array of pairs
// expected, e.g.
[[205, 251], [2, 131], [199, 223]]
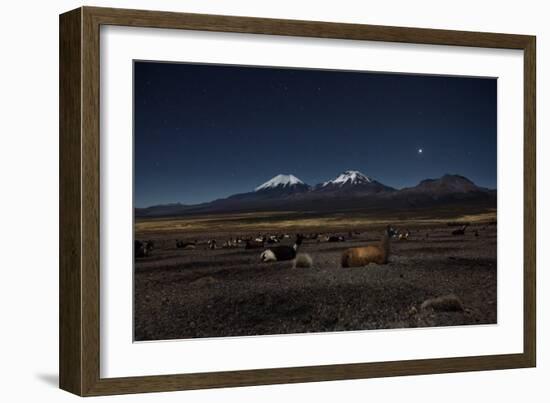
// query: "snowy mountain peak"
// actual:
[[280, 180], [349, 178]]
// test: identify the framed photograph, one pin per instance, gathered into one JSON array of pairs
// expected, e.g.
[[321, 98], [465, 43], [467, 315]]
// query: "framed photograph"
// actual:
[[249, 201]]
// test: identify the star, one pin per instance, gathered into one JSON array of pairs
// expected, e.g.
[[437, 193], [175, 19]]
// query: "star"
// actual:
[[420, 151]]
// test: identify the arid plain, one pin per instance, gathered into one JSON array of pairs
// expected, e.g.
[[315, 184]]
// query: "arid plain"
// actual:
[[433, 277]]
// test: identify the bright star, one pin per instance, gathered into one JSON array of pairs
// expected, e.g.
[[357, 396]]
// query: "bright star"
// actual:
[[420, 151]]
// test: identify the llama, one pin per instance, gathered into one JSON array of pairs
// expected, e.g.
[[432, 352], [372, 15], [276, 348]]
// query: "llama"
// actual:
[[303, 260], [142, 249], [281, 252], [392, 232], [403, 236], [362, 256], [230, 244], [460, 231], [272, 239], [185, 245]]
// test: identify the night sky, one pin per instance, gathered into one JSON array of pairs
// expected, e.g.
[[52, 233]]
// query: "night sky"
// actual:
[[203, 132]]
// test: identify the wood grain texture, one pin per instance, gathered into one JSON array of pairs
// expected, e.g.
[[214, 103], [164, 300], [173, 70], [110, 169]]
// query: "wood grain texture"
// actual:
[[80, 201], [90, 201], [530, 202], [305, 374], [70, 275], [317, 29]]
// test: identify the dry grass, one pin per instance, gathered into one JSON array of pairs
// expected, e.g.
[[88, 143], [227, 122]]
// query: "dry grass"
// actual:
[[292, 221]]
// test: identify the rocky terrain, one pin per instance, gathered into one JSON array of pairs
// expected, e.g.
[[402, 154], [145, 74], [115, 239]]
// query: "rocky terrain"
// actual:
[[228, 291]]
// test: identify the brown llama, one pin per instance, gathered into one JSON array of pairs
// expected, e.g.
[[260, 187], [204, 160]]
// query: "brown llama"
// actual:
[[361, 256]]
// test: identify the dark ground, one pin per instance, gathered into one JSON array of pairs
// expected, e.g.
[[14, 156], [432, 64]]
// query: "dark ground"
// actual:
[[229, 292]]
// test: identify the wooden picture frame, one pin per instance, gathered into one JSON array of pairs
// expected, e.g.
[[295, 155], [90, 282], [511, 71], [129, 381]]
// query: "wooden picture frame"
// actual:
[[79, 346]]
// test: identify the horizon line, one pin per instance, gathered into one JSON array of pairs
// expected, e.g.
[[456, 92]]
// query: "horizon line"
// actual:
[[253, 190]]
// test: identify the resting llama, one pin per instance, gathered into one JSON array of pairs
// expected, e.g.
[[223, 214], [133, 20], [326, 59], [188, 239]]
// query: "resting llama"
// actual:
[[377, 253], [282, 252]]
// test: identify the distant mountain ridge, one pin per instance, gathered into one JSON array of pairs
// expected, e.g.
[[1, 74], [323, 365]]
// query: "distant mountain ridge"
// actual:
[[350, 189], [161, 210]]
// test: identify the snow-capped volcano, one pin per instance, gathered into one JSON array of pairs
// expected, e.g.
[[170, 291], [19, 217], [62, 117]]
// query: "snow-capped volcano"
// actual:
[[281, 181], [352, 183], [349, 178]]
